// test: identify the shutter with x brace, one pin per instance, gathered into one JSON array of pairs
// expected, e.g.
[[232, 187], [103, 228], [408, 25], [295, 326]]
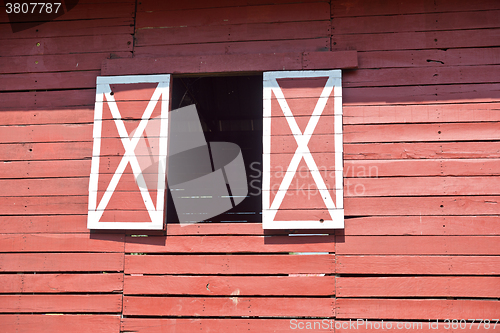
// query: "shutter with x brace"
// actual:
[[302, 150], [127, 180]]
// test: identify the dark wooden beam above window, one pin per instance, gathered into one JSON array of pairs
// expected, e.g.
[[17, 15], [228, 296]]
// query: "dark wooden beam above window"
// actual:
[[231, 63]]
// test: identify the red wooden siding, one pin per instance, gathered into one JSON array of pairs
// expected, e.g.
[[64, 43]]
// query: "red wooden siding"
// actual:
[[421, 120]]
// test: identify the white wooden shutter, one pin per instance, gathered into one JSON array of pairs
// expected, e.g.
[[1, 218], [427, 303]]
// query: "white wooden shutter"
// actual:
[[127, 180], [302, 150]]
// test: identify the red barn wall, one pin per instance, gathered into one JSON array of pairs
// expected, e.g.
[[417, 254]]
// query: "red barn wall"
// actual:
[[422, 185]]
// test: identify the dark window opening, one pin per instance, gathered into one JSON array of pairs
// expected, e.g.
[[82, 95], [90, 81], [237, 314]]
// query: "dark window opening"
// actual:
[[230, 110]]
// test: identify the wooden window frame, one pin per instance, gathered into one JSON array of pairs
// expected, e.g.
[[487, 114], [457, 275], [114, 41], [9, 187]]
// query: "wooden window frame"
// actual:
[[211, 65]]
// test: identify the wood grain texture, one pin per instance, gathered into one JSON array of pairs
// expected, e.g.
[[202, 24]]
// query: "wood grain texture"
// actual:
[[233, 33], [416, 40], [421, 167], [60, 303], [429, 58], [49, 81], [229, 306], [415, 308], [83, 115], [63, 45], [56, 28], [421, 186], [228, 62], [423, 113], [418, 265], [455, 150], [229, 285], [61, 243], [61, 262], [279, 46], [480, 19], [421, 75], [223, 325], [229, 244], [33, 100], [434, 205], [44, 224], [31, 323], [57, 63], [453, 93], [60, 283], [456, 286], [394, 7], [230, 264], [414, 245], [244, 15], [421, 225]]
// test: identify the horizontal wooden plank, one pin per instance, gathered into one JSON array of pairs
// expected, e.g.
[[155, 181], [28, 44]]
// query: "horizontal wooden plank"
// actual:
[[361, 151], [438, 205], [483, 131], [388, 77], [415, 308], [46, 133], [46, 151], [423, 286], [42, 323], [215, 229], [229, 285], [355, 206], [64, 45], [45, 169], [57, 63], [233, 33], [420, 186], [61, 243], [441, 150], [471, 19], [222, 325], [111, 26], [395, 7], [60, 303], [415, 40], [61, 262], [454, 93], [56, 205], [228, 62], [84, 115], [477, 131], [366, 325], [230, 264], [229, 244], [418, 265], [412, 245], [60, 283], [423, 113], [151, 5], [34, 100], [43, 81], [229, 306], [421, 167], [279, 46], [421, 225], [429, 58], [234, 15], [45, 224]]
